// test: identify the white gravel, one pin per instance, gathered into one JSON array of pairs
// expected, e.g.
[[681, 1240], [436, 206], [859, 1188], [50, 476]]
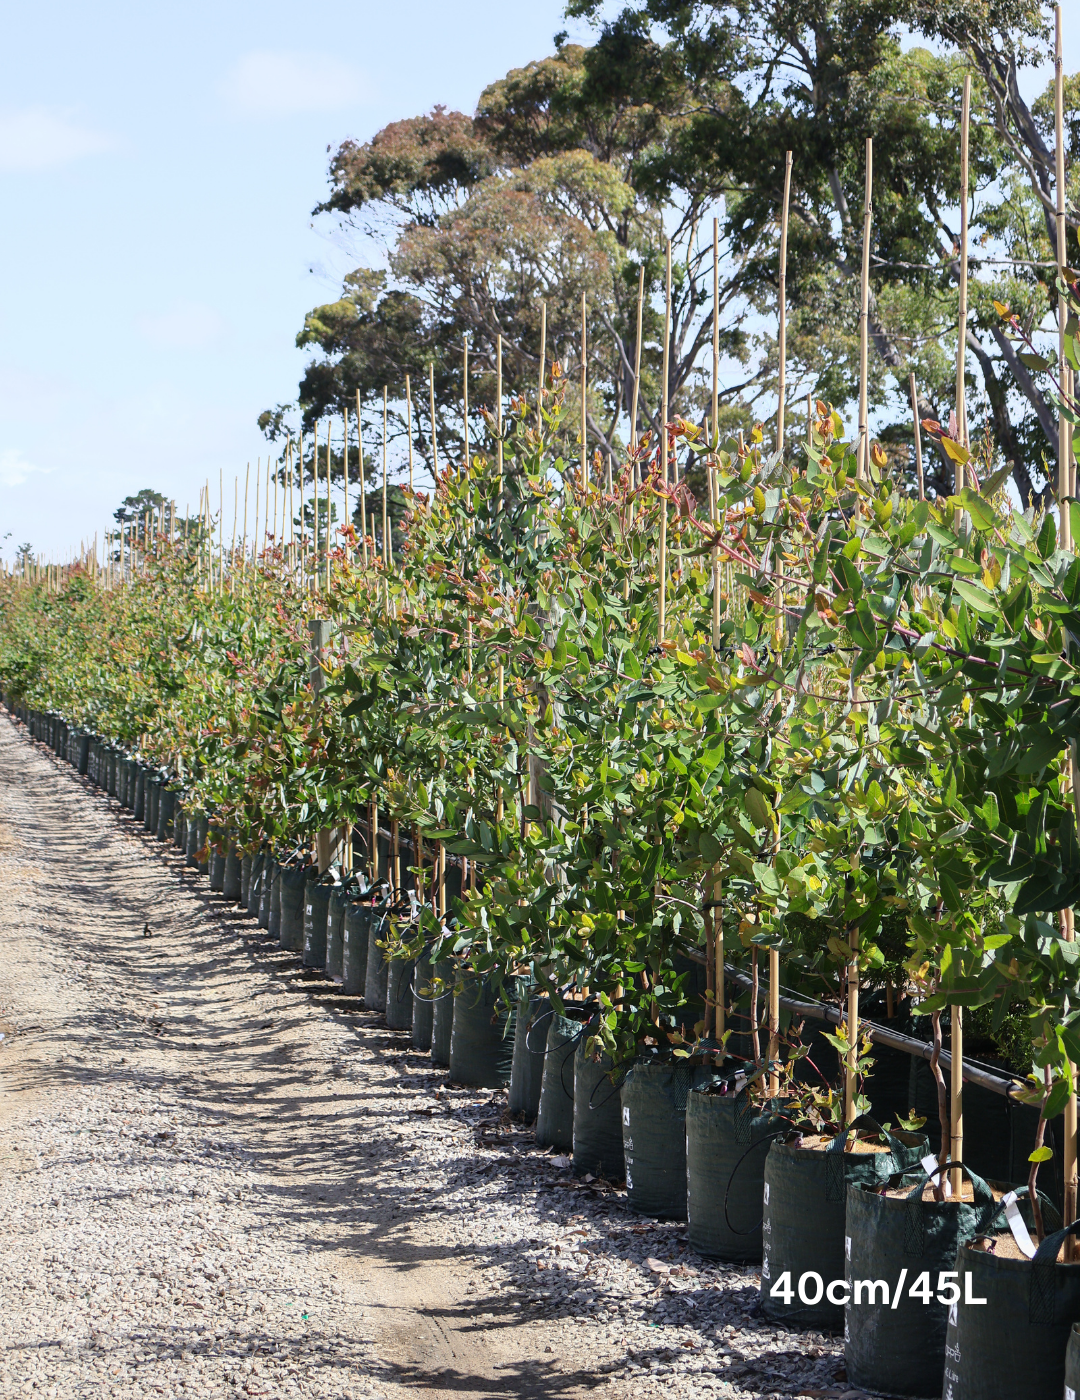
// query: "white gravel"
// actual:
[[218, 1177]]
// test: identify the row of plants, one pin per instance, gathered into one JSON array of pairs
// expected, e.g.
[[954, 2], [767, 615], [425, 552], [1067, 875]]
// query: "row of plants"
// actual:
[[815, 729]]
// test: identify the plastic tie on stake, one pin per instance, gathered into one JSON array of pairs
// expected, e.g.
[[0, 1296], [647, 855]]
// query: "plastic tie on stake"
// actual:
[[1016, 1225]]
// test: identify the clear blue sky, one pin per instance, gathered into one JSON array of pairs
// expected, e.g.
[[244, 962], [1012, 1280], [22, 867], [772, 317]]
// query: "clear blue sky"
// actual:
[[158, 166]]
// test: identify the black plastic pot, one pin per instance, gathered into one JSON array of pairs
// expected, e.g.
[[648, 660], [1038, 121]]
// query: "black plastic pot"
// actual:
[[245, 880], [1012, 1342], [482, 1038], [316, 906], [653, 1099], [217, 871], [727, 1140], [354, 947], [530, 1038], [805, 1199], [555, 1116], [598, 1138], [166, 812]]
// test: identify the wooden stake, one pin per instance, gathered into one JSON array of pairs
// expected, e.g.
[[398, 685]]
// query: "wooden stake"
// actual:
[[584, 386], [345, 470], [236, 512], [918, 436], [863, 460], [292, 508], [662, 608], [961, 339], [255, 541], [408, 405]]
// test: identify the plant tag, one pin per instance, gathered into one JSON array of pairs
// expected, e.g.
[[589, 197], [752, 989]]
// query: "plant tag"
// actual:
[[1017, 1226], [1070, 1394], [929, 1165]]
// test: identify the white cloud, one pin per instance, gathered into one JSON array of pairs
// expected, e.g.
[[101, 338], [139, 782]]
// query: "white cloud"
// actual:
[[14, 468], [269, 83], [36, 138], [188, 325]]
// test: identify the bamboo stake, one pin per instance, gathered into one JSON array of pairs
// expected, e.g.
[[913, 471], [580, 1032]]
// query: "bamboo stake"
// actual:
[[543, 357], [782, 346], [584, 386], [918, 436], [499, 417], [329, 465], [852, 1057], [637, 365], [255, 525], [385, 516], [345, 471], [276, 538], [434, 434], [961, 338], [408, 405], [956, 1108], [232, 551], [292, 514], [363, 482], [863, 467], [1065, 488], [662, 608], [221, 529], [716, 326], [465, 400], [315, 508], [1064, 431]]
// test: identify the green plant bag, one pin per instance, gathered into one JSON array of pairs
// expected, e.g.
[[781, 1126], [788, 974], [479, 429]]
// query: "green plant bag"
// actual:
[[354, 947], [442, 1013], [399, 993], [530, 1038], [482, 1036], [423, 1014], [1013, 1343], [598, 1138], [293, 888], [335, 932], [274, 926], [653, 1099], [316, 908], [378, 969], [727, 1141], [805, 1200], [266, 879], [231, 884], [555, 1116], [258, 862]]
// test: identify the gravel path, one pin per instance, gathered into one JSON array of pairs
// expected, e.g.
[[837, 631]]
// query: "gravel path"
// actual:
[[219, 1177]]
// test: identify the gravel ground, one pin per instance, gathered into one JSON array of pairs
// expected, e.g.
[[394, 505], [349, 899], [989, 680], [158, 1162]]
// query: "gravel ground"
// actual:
[[220, 1177]]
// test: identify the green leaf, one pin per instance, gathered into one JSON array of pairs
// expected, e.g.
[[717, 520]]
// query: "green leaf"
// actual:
[[631, 665], [862, 627], [981, 511], [975, 595], [1033, 361], [1047, 540], [1042, 1154]]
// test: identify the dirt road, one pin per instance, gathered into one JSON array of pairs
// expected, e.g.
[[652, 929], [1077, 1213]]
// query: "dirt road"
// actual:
[[220, 1178]]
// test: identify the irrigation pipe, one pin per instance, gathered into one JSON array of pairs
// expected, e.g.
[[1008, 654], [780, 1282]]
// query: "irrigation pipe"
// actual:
[[881, 1035]]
